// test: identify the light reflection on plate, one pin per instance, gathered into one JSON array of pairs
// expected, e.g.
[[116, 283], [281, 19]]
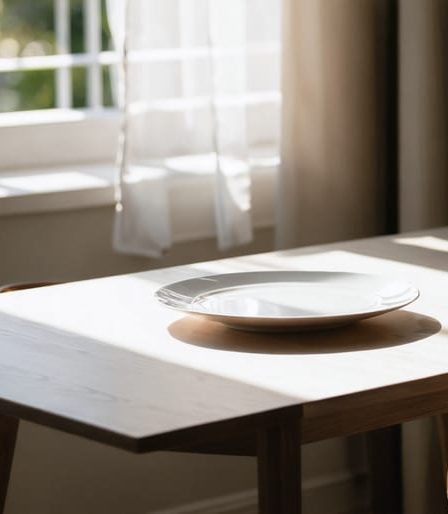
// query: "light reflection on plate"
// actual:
[[287, 300]]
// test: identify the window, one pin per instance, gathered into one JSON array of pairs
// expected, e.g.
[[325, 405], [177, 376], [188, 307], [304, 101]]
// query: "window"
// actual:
[[58, 90], [54, 54], [55, 82]]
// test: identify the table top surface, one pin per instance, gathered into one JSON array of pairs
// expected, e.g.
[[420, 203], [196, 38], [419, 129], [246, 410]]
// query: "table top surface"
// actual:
[[103, 359]]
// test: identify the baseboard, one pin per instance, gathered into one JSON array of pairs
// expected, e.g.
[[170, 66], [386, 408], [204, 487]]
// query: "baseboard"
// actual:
[[337, 493]]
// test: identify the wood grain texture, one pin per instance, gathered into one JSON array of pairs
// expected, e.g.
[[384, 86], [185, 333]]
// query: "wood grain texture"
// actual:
[[121, 398], [104, 360], [8, 434]]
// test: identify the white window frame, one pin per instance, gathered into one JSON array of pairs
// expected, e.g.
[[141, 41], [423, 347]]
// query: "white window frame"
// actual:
[[25, 135]]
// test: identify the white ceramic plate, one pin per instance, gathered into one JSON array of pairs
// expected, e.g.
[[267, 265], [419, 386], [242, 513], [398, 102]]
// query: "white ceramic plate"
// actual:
[[287, 300]]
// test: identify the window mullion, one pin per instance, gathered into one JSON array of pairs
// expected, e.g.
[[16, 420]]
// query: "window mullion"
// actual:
[[63, 73], [92, 35]]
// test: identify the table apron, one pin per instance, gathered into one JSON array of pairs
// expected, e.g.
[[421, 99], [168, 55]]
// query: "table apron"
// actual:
[[335, 423]]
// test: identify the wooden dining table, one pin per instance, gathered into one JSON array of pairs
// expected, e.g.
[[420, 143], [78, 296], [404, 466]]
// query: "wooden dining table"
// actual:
[[102, 359]]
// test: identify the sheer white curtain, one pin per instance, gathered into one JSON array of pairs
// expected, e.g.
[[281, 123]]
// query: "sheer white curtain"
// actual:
[[200, 94]]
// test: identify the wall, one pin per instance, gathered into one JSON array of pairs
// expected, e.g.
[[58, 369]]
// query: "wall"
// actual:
[[76, 245], [56, 473]]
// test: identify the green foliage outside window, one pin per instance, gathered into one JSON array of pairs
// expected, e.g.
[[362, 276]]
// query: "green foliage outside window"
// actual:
[[27, 29]]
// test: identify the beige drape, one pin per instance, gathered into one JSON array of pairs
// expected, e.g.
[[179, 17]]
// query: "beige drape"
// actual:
[[336, 66], [347, 160], [331, 177], [423, 113]]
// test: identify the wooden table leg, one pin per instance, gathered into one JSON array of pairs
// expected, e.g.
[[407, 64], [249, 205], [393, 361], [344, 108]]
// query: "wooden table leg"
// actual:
[[8, 434], [279, 469], [442, 429], [384, 455]]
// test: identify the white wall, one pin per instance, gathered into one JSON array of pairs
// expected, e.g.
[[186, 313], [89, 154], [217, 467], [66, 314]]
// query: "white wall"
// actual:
[[56, 473]]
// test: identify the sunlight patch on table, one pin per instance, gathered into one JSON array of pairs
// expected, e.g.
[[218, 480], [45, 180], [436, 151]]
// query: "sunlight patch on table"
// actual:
[[428, 242]]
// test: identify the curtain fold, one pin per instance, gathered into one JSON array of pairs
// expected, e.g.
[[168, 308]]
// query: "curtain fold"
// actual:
[[338, 133], [189, 80], [423, 114], [330, 185]]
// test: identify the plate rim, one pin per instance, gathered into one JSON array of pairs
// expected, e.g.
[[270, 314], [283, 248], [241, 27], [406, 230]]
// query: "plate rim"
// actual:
[[287, 319]]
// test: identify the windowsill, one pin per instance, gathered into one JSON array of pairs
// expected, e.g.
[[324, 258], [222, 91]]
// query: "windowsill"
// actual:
[[49, 137], [65, 188], [39, 117], [55, 189]]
